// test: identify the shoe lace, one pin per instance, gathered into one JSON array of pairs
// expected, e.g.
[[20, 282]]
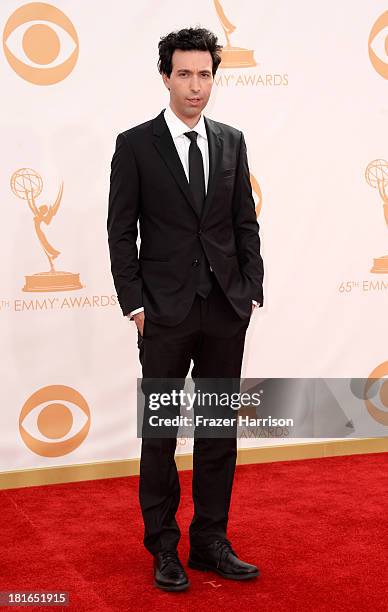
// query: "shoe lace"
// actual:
[[168, 556], [223, 547]]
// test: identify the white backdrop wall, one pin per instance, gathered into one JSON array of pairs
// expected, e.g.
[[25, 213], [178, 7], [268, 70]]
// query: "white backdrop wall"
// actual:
[[314, 113]]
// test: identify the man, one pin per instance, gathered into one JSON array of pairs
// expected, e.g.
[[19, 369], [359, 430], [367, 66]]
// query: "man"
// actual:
[[190, 289]]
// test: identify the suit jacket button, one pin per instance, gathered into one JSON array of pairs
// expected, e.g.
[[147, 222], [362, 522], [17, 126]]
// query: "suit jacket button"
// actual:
[[199, 231], [195, 263]]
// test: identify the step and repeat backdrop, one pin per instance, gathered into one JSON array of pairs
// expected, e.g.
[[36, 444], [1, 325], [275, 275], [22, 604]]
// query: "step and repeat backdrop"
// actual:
[[306, 82]]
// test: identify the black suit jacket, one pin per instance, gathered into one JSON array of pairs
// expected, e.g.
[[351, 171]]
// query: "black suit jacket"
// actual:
[[148, 184]]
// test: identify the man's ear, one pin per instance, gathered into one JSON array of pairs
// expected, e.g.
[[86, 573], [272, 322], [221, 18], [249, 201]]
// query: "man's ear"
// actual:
[[166, 80]]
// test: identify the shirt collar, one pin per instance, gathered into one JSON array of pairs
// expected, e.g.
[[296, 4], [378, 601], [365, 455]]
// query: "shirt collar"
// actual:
[[177, 127]]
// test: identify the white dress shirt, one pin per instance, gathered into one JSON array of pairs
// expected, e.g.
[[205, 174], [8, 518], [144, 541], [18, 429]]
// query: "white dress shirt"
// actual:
[[182, 143]]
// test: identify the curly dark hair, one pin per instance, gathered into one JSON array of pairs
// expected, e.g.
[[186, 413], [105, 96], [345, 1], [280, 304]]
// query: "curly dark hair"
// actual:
[[188, 39]]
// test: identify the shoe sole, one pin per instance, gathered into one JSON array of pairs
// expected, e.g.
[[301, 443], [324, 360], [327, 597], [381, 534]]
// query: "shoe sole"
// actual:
[[209, 568], [181, 587]]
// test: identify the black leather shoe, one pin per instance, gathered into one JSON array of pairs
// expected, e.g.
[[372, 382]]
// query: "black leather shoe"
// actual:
[[168, 572], [220, 557]]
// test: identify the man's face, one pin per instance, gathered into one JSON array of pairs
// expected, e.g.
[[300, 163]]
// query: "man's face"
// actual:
[[190, 82]]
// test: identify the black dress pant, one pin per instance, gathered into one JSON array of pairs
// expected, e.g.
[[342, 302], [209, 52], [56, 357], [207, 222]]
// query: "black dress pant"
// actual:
[[212, 336]]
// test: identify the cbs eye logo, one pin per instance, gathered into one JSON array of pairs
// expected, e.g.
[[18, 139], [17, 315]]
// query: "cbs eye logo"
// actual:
[[378, 45], [47, 424], [40, 43], [257, 192], [376, 393]]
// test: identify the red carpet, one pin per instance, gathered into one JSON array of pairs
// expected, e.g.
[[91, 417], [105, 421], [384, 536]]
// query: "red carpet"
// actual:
[[316, 528]]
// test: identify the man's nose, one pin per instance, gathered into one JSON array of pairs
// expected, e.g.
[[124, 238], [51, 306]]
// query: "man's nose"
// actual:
[[195, 84]]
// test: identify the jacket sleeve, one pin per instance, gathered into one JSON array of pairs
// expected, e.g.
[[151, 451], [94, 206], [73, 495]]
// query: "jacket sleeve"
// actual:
[[123, 214], [246, 227]]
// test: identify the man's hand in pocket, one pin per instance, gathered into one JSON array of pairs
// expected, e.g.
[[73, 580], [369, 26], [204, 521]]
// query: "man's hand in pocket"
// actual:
[[139, 320]]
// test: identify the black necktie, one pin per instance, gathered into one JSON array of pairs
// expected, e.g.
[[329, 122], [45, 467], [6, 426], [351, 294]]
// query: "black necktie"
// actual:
[[197, 186], [196, 173]]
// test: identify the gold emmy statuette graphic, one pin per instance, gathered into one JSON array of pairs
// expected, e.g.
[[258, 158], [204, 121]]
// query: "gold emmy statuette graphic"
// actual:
[[27, 185], [376, 175], [232, 57]]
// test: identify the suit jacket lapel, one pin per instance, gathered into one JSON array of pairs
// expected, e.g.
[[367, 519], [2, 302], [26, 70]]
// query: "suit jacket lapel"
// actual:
[[165, 145], [215, 143]]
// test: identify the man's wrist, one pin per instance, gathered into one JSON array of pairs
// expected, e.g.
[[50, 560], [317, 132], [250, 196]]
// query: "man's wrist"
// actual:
[[131, 314]]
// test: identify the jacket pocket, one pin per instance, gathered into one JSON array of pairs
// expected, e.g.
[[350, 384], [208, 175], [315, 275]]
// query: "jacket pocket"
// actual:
[[228, 172], [157, 259]]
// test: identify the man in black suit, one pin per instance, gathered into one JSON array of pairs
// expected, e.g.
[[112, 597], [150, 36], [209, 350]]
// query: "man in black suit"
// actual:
[[190, 289]]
